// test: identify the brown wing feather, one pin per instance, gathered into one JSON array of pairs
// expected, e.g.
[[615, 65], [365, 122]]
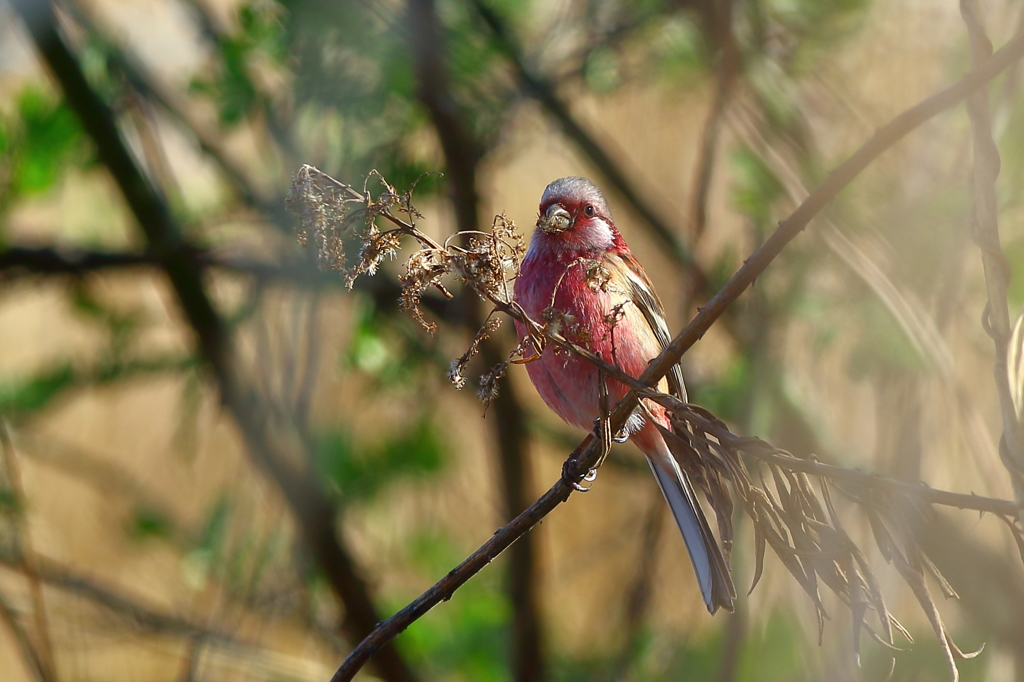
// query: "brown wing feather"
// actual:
[[642, 293]]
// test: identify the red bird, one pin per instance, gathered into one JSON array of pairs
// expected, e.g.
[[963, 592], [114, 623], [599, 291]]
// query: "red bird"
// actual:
[[579, 265]]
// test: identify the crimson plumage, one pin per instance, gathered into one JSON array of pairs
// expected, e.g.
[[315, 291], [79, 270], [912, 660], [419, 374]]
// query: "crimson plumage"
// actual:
[[579, 265]]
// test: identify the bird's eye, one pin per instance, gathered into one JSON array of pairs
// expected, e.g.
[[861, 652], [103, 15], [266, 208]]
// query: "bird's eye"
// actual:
[[588, 210]]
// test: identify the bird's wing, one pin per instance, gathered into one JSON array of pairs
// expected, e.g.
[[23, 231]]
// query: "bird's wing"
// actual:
[[641, 293]]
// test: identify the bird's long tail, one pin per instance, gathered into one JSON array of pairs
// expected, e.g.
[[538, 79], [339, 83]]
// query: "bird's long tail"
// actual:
[[708, 562]]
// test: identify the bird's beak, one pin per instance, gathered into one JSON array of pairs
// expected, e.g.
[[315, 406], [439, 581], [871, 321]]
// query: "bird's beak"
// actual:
[[556, 219]]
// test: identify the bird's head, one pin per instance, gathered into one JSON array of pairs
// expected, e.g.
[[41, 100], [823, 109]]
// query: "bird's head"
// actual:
[[574, 216]]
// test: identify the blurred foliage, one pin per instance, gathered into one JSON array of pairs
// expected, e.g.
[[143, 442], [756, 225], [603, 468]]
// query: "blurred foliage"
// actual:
[[726, 394], [149, 524], [259, 41], [756, 189], [359, 472], [40, 141], [36, 391], [20, 397], [468, 639], [390, 348]]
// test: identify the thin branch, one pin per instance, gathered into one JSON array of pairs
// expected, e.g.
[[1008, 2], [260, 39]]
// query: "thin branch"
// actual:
[[28, 554], [587, 453], [28, 650], [985, 231], [144, 617], [18, 261], [314, 512], [24, 261], [148, 87]]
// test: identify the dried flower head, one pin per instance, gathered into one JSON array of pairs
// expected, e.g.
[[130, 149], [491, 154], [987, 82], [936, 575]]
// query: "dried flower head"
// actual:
[[423, 269], [326, 209], [376, 247], [615, 315], [558, 322], [331, 212], [456, 372], [488, 391], [597, 276], [488, 261]]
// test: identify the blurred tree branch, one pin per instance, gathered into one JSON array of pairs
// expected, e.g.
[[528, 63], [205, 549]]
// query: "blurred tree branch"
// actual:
[[146, 85], [33, 659], [985, 232], [541, 89], [511, 436], [21, 261], [583, 458], [134, 613], [314, 512], [144, 617], [28, 554], [728, 71]]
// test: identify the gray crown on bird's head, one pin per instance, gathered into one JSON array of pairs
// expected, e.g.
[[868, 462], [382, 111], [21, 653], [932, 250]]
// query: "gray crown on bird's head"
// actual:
[[578, 189]]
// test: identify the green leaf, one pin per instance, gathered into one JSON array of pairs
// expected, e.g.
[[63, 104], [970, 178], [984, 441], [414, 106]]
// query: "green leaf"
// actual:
[[10, 505], [756, 186], [468, 638], [45, 142], [148, 523], [36, 392], [215, 530], [726, 392], [360, 472]]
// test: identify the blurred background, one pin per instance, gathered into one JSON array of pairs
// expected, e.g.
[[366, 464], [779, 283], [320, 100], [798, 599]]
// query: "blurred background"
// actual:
[[241, 496]]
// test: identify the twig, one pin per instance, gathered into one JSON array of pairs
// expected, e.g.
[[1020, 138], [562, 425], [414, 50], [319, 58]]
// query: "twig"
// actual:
[[314, 512], [28, 650], [991, 592], [583, 457], [458, 576], [57, 575], [134, 613], [985, 232], [24, 261], [28, 554]]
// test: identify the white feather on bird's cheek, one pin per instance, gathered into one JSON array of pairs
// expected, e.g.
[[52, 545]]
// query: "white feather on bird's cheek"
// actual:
[[595, 232]]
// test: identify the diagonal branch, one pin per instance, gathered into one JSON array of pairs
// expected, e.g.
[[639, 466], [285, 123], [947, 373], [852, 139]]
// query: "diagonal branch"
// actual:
[[587, 453], [144, 83], [28, 554], [33, 659]]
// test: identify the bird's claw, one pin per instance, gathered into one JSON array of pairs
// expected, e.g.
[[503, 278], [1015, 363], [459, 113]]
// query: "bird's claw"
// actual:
[[570, 477], [621, 438], [579, 487]]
